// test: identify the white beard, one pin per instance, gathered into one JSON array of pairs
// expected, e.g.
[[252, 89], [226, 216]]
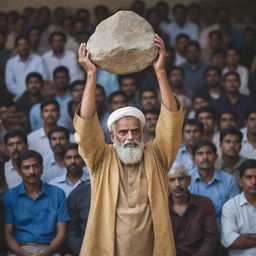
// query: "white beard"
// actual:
[[129, 155]]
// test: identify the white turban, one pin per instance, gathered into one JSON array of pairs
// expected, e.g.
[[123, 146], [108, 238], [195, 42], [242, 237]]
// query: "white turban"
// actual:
[[124, 112]]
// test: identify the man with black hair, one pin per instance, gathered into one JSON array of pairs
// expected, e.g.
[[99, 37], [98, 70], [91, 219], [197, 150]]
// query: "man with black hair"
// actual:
[[232, 99], [238, 215], [54, 165], [180, 48], [148, 99], [194, 69], [38, 139], [35, 212], [232, 60], [75, 173], [249, 139], [19, 66], [151, 117], [15, 142], [181, 24], [213, 82], [128, 85], [58, 56], [192, 132], [230, 145], [219, 186], [34, 84], [116, 100], [207, 116]]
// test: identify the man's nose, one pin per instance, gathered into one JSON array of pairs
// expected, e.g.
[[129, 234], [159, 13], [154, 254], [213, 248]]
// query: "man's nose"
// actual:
[[130, 135]]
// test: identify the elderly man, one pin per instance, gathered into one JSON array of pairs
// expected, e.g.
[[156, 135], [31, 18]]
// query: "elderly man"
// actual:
[[191, 214], [129, 179]]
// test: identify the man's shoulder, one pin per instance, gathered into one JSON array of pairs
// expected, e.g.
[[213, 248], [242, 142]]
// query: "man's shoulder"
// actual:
[[35, 133], [57, 180], [53, 190], [12, 193], [82, 189], [202, 201], [13, 59], [234, 201]]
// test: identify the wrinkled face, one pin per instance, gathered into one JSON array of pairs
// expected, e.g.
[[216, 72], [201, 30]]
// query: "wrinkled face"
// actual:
[[207, 119], [128, 86], [251, 123], [23, 47], [77, 93], [15, 146], [50, 114], [248, 181], [192, 54], [31, 171], [230, 146], [232, 57], [200, 102], [58, 141], [176, 78], [73, 161], [231, 84], [151, 121], [148, 100], [213, 78], [178, 184], [118, 101], [191, 134], [34, 86], [61, 80], [205, 158], [227, 120], [128, 140], [58, 43]]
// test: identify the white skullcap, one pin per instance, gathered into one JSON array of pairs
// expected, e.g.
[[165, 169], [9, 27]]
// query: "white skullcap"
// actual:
[[124, 112]]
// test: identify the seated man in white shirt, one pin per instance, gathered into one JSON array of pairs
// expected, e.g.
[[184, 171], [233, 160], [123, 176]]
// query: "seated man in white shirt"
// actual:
[[19, 66], [54, 165], [76, 170], [238, 215], [58, 56]]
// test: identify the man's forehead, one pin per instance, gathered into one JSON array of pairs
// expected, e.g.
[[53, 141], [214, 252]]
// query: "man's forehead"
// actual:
[[177, 175], [127, 121]]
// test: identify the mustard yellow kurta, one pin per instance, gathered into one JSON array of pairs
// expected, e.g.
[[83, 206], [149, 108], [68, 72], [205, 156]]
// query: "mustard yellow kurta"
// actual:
[[102, 162]]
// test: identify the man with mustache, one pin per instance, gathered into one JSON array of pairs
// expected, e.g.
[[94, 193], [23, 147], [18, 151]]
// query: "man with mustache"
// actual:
[[238, 215], [54, 165], [191, 214], [75, 170], [129, 212], [15, 142], [207, 181], [35, 212], [230, 145]]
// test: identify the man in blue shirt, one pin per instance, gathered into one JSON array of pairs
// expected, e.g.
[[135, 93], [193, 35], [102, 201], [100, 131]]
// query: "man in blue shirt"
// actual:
[[35, 212], [218, 185], [192, 131]]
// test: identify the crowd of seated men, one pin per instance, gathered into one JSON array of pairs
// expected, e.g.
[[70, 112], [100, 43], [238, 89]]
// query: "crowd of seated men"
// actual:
[[211, 67]]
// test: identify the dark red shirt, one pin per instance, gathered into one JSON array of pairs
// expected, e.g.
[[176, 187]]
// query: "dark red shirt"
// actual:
[[196, 232]]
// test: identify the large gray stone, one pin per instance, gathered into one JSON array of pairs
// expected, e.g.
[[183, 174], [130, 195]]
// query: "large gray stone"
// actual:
[[123, 43]]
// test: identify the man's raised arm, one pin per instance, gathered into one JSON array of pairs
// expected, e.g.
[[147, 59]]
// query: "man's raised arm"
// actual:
[[165, 89], [88, 100]]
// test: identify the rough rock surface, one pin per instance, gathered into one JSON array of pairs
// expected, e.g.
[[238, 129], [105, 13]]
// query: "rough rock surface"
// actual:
[[123, 43]]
